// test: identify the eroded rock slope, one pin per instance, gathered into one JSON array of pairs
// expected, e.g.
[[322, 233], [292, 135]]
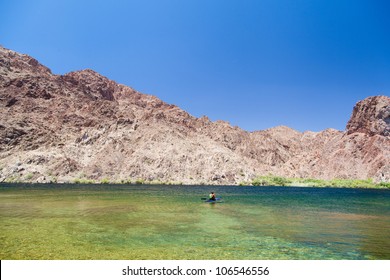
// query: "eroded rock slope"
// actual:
[[84, 126]]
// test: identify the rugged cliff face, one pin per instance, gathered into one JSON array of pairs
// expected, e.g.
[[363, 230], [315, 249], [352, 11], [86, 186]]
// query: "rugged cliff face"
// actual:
[[84, 126], [371, 116]]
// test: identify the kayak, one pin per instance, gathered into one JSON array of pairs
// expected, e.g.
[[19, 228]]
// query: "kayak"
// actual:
[[218, 199]]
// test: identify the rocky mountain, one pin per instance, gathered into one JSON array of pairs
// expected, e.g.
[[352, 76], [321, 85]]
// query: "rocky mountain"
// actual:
[[84, 126]]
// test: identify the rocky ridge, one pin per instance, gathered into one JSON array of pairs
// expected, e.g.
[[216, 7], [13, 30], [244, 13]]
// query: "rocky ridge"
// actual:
[[82, 125]]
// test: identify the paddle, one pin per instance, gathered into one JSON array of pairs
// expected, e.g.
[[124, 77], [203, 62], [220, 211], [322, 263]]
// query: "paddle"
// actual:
[[206, 198]]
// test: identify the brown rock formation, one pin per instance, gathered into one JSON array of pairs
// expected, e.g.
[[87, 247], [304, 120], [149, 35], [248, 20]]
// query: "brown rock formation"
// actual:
[[371, 116], [83, 125]]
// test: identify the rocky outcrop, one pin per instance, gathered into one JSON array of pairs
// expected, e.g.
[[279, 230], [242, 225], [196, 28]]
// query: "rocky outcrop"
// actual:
[[371, 116], [85, 126]]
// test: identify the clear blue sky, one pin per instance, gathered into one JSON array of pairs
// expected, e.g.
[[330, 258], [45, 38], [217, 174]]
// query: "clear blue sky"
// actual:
[[256, 64]]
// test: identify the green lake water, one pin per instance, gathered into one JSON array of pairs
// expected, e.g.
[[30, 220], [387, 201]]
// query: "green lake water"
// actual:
[[172, 222]]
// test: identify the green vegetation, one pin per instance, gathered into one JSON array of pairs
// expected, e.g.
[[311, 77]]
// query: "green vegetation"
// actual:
[[53, 179], [83, 181], [105, 181], [157, 182], [385, 185], [271, 180], [12, 179], [353, 183], [140, 181], [126, 181], [266, 180], [174, 183]]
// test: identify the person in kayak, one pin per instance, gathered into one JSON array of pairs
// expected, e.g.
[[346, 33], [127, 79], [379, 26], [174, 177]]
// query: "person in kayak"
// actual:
[[212, 196]]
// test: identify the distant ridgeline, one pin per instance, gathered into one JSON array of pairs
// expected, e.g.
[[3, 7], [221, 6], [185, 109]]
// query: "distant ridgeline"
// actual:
[[83, 127]]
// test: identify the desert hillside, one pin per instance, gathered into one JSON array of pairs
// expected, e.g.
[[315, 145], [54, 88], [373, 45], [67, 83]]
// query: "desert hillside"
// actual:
[[84, 126]]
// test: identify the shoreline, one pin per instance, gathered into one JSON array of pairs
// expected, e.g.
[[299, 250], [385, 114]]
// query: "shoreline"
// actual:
[[287, 183]]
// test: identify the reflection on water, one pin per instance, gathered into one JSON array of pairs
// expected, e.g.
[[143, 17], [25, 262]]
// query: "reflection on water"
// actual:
[[167, 222]]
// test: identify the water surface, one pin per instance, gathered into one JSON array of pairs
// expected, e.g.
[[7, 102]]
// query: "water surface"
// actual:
[[172, 222]]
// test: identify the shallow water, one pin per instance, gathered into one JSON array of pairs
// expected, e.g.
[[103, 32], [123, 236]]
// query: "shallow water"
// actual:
[[172, 222]]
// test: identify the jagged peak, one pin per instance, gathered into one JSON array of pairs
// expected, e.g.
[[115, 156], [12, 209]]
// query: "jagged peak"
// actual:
[[87, 75], [371, 116], [12, 60], [282, 129]]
